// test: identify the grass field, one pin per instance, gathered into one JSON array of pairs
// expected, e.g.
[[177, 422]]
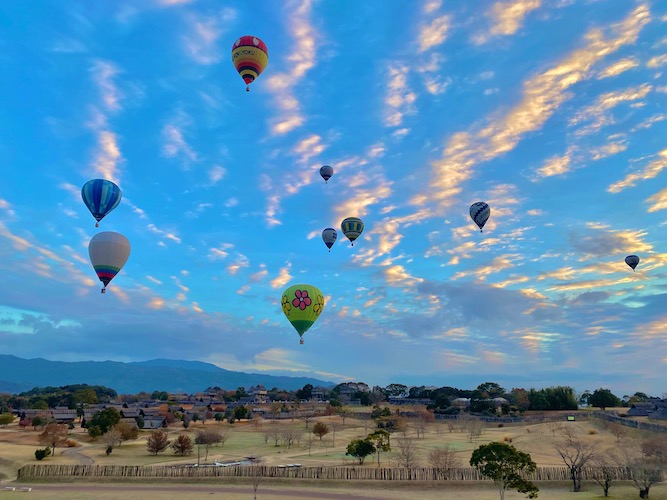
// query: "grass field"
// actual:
[[17, 448]]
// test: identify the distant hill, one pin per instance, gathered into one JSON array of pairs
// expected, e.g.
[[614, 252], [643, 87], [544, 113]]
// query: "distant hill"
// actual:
[[169, 375]]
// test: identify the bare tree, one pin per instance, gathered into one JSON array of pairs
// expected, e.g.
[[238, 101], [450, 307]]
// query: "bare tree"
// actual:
[[255, 480], [377, 396], [407, 454], [442, 459], [555, 427], [290, 435], [575, 455], [333, 426], [603, 466], [343, 413], [472, 426], [618, 431], [112, 438], [210, 437], [54, 435]]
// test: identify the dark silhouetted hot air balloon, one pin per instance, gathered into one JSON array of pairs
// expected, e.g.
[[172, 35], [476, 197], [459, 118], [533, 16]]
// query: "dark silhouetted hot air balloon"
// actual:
[[479, 212], [329, 236], [302, 305], [352, 228], [101, 197], [326, 172], [632, 261], [250, 56], [108, 253]]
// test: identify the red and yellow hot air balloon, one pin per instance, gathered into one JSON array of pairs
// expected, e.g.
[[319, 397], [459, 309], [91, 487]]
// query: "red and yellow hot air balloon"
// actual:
[[250, 56]]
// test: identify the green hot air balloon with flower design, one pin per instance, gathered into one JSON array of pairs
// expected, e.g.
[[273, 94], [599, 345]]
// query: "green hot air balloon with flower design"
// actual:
[[302, 305]]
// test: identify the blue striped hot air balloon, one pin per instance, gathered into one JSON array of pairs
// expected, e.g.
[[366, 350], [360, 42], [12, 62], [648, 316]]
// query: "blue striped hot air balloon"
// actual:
[[101, 197], [480, 212], [352, 228]]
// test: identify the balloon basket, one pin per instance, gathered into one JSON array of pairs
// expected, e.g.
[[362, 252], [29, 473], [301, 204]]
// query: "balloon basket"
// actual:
[[247, 89], [104, 290], [301, 341], [97, 224]]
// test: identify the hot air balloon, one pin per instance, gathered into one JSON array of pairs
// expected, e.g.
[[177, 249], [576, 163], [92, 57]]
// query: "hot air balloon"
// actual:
[[250, 56], [632, 261], [329, 236], [108, 253], [326, 172], [302, 304], [352, 228], [101, 197], [479, 212]]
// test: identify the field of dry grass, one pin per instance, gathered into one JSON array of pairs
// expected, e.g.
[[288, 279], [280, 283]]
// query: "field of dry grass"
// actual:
[[17, 448]]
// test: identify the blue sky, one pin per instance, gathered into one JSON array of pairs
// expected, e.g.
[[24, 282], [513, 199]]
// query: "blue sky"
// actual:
[[552, 111]]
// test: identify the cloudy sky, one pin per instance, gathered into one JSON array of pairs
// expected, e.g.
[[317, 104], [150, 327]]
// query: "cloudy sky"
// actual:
[[552, 111]]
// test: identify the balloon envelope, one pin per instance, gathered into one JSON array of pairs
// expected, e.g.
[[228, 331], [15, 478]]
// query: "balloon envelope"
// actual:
[[250, 56], [302, 305], [632, 261], [326, 172], [101, 197], [480, 212], [352, 228], [108, 253], [329, 236]]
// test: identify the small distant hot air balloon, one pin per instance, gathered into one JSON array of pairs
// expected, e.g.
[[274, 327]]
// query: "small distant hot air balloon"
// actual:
[[108, 253], [101, 197], [329, 236], [302, 305], [632, 261], [352, 228], [250, 56], [479, 212], [326, 172]]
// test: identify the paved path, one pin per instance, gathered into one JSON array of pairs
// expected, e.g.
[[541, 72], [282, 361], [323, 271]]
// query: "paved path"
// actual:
[[74, 453]]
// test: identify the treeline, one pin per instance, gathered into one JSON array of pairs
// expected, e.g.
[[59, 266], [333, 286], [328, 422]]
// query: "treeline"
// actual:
[[71, 396]]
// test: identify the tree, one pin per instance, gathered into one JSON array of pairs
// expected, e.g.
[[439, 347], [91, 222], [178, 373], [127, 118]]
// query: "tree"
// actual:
[[320, 429], [111, 438], [360, 449], [407, 454], [380, 440], [126, 431], [54, 435], [157, 442], [182, 445], [488, 390], [442, 459], [241, 412], [6, 419], [210, 437], [38, 421], [304, 393], [504, 464], [603, 467], [104, 419], [575, 455], [603, 398]]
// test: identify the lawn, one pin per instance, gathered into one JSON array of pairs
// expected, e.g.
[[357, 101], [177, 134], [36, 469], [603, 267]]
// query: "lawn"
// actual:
[[249, 439]]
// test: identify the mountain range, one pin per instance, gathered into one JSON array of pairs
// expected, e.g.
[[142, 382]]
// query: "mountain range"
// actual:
[[174, 376]]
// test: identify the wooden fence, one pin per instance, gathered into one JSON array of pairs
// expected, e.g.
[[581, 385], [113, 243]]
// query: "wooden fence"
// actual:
[[34, 471]]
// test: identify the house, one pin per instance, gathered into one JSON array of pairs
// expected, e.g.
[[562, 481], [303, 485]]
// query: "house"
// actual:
[[660, 409], [153, 423], [461, 403], [318, 394], [259, 394], [640, 409], [63, 416], [132, 412]]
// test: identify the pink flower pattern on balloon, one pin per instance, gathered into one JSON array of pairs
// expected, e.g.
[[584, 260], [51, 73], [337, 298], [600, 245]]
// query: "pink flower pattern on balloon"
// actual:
[[302, 300]]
